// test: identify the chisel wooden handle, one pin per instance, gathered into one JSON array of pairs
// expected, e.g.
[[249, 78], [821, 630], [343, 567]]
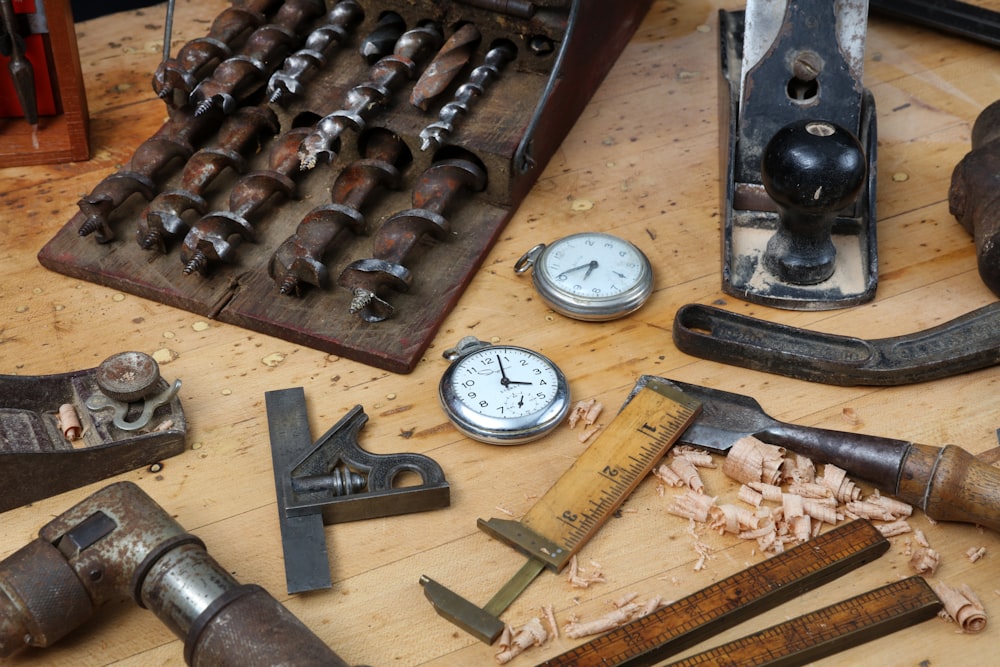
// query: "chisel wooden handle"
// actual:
[[950, 484], [947, 483]]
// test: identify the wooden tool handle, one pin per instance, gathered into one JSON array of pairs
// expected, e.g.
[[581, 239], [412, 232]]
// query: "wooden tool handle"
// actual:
[[950, 484]]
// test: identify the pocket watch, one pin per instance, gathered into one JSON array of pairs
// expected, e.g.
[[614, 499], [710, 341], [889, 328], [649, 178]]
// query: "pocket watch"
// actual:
[[589, 276], [502, 394]]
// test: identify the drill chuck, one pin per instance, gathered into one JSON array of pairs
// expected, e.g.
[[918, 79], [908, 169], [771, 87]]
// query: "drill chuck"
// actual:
[[119, 543]]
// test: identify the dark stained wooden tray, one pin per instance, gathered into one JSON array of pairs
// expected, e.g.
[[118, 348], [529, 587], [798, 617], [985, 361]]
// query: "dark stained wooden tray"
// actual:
[[512, 131]]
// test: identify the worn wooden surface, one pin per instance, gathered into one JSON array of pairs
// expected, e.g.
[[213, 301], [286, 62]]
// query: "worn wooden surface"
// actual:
[[641, 162]]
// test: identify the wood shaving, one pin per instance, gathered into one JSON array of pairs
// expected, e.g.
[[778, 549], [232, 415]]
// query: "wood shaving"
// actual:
[[836, 480], [610, 621], [589, 432], [687, 472], [771, 492], [69, 422], [530, 634], [698, 457], [962, 606], [665, 474], [691, 505], [925, 560], [975, 554], [578, 578], [750, 496], [550, 617], [626, 609], [750, 460], [895, 528], [810, 490], [732, 519], [587, 411]]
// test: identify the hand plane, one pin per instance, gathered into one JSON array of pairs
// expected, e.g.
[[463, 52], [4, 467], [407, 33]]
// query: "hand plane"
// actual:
[[60, 432], [798, 151]]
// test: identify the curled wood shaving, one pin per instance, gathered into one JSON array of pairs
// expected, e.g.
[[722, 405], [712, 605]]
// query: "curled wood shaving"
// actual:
[[586, 410], [666, 474], [732, 519], [898, 508], [687, 473], [698, 457], [691, 505], [821, 511], [836, 480], [750, 460], [975, 554], [925, 560], [578, 578], [867, 509], [530, 634], [810, 490], [962, 606], [771, 492], [894, 528], [626, 609], [550, 618], [750, 496], [69, 422], [589, 432], [801, 527]]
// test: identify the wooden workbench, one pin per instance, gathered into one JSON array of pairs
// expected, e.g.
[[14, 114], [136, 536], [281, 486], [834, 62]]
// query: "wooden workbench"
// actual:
[[642, 162]]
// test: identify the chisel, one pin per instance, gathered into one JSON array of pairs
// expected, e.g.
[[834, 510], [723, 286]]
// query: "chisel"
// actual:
[[947, 483]]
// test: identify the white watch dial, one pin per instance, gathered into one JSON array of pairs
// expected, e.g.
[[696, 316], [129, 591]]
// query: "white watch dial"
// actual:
[[503, 394], [590, 276], [504, 382], [594, 265]]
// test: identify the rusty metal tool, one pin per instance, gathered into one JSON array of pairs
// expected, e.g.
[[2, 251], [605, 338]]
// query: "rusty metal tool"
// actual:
[[61, 432], [119, 544], [496, 59], [236, 78], [363, 101], [799, 148], [300, 257], [239, 138], [290, 81], [967, 343], [216, 236], [974, 195], [172, 144], [20, 68], [379, 42], [395, 240], [947, 483], [334, 480], [960, 18], [450, 60], [759, 588], [176, 77], [578, 504]]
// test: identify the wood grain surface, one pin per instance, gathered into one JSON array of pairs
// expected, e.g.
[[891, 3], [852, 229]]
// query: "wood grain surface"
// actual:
[[641, 162]]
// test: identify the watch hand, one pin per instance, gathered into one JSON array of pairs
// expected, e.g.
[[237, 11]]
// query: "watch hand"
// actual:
[[503, 373], [590, 266]]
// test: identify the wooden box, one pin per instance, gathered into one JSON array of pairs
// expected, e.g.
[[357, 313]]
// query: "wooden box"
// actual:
[[564, 48]]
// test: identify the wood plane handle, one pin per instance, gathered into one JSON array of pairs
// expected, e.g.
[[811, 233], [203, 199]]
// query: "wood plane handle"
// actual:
[[950, 484]]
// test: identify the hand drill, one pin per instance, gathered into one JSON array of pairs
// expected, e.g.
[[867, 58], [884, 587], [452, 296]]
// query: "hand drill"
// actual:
[[119, 543]]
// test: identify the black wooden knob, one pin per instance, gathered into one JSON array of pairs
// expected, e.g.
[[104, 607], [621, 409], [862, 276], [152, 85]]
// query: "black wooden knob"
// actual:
[[812, 170]]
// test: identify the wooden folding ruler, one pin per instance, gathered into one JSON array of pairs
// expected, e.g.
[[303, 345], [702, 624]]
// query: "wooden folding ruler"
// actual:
[[579, 503], [726, 603]]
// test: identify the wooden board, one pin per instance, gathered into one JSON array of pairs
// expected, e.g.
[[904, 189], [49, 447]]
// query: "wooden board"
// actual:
[[640, 162], [241, 292]]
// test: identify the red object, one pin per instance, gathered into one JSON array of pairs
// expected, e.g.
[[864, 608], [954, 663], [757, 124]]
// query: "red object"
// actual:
[[37, 52]]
